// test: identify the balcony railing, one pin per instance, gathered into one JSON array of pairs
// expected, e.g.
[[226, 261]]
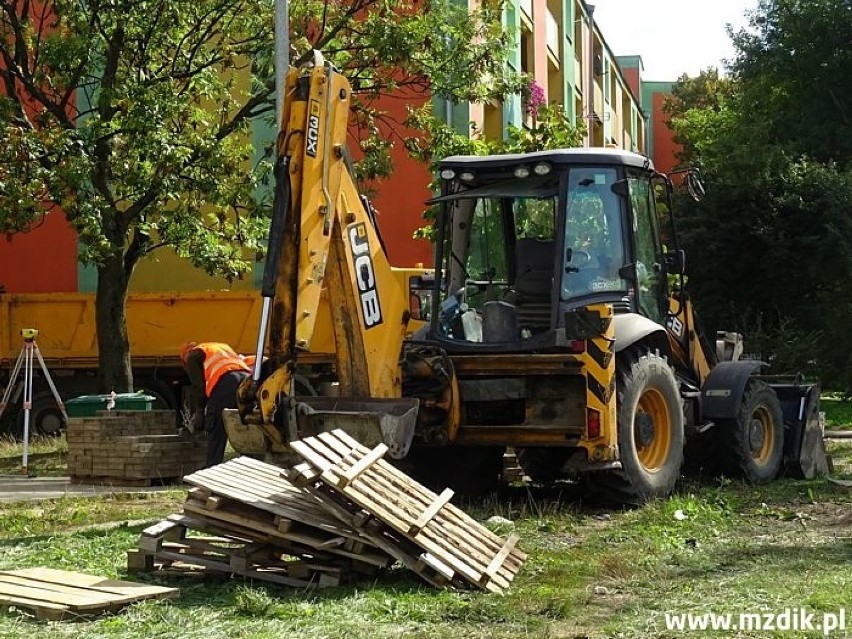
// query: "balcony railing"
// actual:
[[527, 7], [552, 34]]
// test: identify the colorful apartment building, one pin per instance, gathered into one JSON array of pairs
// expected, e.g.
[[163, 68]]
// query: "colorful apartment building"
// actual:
[[557, 42]]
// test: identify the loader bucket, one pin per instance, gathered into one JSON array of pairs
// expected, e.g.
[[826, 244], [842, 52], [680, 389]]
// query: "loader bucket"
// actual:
[[804, 448], [370, 421], [246, 439]]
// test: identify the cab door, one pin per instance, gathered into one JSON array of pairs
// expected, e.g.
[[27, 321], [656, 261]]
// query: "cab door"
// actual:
[[652, 286]]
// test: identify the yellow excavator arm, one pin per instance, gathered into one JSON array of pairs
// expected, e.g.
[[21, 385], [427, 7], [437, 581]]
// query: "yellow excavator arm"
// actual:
[[322, 236]]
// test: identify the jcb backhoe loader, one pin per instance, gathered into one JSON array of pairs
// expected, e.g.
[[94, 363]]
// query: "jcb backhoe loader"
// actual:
[[558, 324]]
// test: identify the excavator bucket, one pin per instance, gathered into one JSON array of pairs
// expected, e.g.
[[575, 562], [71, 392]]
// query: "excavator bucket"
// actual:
[[370, 421], [804, 448]]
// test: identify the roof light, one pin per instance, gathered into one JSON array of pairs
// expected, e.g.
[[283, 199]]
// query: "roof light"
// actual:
[[467, 176], [448, 174], [522, 172], [542, 168]]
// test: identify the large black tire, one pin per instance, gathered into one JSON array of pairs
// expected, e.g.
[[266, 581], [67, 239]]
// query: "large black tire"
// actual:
[[46, 419], [650, 430], [542, 465], [753, 442]]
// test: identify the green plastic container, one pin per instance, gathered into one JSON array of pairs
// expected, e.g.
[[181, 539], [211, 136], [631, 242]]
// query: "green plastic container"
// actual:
[[89, 405]]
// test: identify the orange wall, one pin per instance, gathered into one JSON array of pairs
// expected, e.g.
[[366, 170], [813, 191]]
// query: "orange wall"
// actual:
[[45, 259], [41, 261], [631, 76], [399, 199], [665, 148]]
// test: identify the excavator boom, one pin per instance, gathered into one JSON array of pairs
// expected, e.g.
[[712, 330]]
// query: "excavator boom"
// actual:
[[324, 239]]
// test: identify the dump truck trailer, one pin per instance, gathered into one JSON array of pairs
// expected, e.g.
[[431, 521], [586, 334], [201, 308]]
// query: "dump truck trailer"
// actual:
[[158, 324]]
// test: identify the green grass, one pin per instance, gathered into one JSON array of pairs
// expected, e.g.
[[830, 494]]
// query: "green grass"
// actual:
[[715, 546], [46, 456], [838, 412], [721, 547]]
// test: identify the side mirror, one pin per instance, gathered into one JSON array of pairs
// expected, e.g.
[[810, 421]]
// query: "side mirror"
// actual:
[[621, 187], [676, 261]]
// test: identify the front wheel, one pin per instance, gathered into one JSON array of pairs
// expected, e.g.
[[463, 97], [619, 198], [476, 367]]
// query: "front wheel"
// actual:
[[650, 430], [753, 442]]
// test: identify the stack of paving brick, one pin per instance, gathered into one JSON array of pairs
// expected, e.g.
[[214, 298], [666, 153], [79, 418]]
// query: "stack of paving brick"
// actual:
[[131, 448]]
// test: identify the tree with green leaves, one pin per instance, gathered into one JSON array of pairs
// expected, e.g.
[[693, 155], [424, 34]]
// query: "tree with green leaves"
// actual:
[[550, 128], [771, 244], [133, 118]]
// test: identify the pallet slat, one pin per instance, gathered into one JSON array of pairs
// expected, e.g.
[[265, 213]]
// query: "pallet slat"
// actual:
[[52, 594], [452, 543]]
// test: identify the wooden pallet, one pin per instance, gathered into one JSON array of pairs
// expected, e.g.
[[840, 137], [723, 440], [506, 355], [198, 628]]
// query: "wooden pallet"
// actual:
[[225, 555], [250, 495], [263, 527], [423, 530], [57, 594]]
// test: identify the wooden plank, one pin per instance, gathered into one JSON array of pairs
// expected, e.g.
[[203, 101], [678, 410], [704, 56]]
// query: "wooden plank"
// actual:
[[437, 565], [77, 599], [449, 549], [72, 598], [275, 577], [456, 542], [361, 465], [500, 557], [44, 610], [431, 511], [461, 542], [213, 502], [95, 583], [306, 541], [455, 514]]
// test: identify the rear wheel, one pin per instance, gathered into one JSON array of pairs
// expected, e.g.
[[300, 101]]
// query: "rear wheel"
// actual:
[[753, 442], [650, 430], [45, 417]]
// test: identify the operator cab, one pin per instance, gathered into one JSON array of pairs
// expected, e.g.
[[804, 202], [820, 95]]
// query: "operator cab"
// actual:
[[523, 239]]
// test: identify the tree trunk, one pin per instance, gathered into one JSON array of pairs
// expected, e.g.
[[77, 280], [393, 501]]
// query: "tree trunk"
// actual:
[[115, 373]]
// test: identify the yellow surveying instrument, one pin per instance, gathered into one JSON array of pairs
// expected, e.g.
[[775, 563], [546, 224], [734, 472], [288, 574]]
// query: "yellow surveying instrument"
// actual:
[[26, 361]]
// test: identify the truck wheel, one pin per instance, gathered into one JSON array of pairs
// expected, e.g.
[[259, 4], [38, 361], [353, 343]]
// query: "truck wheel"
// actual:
[[650, 430], [753, 442], [162, 392], [45, 417], [542, 465]]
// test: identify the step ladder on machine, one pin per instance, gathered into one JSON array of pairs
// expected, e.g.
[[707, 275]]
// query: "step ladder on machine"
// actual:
[[25, 364]]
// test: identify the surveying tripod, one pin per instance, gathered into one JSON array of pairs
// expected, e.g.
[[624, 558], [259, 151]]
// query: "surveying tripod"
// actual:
[[26, 361]]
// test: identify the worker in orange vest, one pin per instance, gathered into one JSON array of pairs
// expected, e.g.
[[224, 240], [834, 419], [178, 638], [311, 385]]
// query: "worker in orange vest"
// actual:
[[215, 372]]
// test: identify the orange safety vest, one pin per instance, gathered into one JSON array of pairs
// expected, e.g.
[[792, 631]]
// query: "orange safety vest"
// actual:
[[218, 360]]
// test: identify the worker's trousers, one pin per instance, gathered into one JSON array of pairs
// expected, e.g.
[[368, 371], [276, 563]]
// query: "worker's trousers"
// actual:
[[223, 395]]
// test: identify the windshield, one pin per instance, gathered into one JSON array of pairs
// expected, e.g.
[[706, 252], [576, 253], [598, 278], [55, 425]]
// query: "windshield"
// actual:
[[513, 248], [594, 235], [499, 252]]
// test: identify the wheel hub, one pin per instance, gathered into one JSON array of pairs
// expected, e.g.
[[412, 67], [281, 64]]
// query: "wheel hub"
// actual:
[[644, 425], [756, 436]]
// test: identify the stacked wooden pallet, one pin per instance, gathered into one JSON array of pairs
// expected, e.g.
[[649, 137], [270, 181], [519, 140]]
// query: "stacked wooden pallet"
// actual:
[[424, 531], [262, 527], [345, 511]]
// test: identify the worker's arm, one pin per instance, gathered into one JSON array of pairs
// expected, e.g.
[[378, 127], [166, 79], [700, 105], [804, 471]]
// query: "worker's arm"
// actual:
[[197, 398]]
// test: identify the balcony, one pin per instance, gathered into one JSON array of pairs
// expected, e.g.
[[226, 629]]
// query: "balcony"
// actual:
[[552, 34]]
